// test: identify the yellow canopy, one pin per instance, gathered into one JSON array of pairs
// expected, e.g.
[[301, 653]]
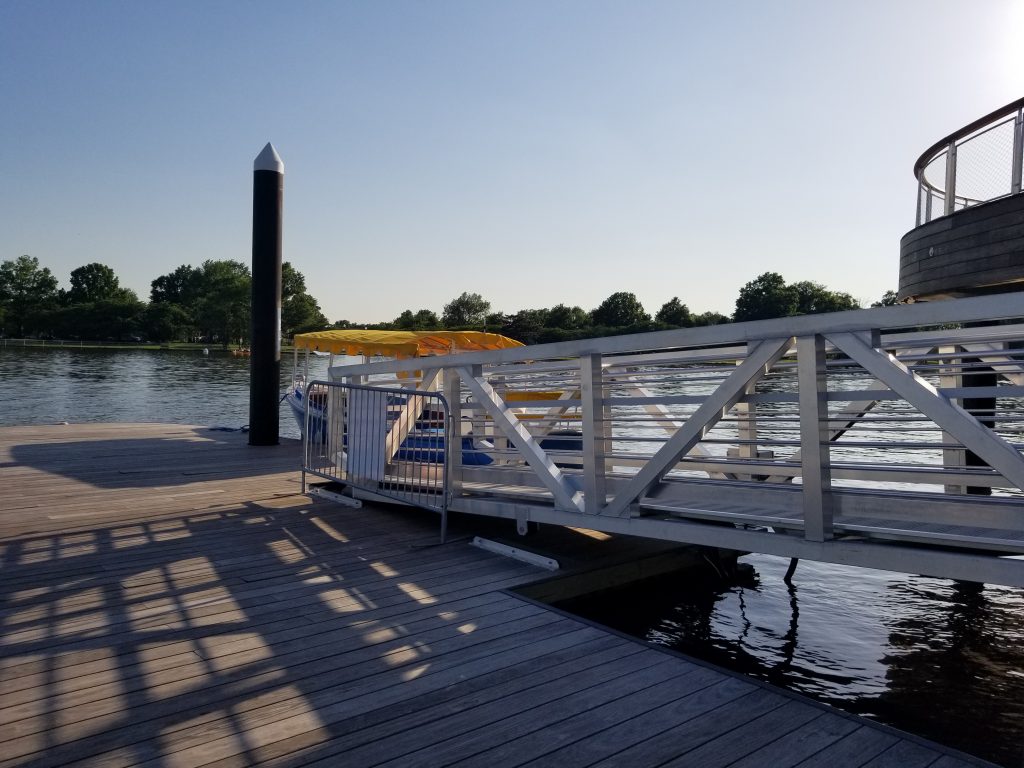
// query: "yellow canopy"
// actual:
[[401, 343]]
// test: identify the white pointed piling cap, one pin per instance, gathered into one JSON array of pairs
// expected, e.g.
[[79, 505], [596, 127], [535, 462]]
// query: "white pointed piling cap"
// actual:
[[269, 160]]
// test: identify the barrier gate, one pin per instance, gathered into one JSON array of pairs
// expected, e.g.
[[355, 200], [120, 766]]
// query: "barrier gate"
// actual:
[[385, 442]]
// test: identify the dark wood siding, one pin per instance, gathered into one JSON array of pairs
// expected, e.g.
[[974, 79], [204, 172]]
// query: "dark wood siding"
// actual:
[[974, 251]]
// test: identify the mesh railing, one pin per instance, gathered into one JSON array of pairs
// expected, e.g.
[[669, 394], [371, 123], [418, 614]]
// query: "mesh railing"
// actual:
[[979, 163]]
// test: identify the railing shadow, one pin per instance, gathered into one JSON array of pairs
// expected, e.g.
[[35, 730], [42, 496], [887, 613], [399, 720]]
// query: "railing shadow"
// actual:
[[193, 635], [199, 453]]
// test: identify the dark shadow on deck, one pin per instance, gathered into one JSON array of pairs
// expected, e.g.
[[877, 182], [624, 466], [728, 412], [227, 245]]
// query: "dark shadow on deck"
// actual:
[[200, 453], [193, 634]]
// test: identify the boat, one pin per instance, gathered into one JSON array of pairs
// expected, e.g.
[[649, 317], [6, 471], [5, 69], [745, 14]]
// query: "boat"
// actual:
[[386, 344]]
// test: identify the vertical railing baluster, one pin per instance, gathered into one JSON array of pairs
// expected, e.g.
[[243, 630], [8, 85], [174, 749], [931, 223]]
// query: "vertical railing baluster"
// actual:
[[815, 463], [453, 393], [1018, 153], [950, 205], [594, 462]]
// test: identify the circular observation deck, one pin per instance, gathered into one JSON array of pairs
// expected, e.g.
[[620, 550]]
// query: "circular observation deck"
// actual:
[[969, 236]]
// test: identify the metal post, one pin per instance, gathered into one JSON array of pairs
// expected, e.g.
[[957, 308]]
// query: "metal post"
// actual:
[[950, 367], [453, 394], [594, 462], [265, 363], [920, 204], [1018, 153], [815, 466], [950, 179]]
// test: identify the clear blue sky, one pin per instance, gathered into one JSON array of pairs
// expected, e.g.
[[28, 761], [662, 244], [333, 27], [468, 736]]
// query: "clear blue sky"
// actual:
[[535, 152]]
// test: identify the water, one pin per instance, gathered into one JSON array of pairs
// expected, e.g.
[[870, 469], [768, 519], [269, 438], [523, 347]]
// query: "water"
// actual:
[[932, 657], [46, 386], [941, 659]]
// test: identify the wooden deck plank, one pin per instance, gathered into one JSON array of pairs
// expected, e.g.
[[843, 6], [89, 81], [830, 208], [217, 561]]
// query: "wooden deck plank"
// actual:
[[628, 733], [563, 727], [166, 598], [810, 739], [855, 749], [904, 754], [319, 707], [437, 705], [469, 732], [206, 690], [689, 735], [81, 690], [752, 736]]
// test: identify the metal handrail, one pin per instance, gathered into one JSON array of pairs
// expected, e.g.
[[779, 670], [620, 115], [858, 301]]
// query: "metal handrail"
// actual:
[[947, 193]]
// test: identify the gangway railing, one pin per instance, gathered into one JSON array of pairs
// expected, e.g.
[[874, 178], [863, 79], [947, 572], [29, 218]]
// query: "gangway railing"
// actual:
[[386, 442], [888, 438], [980, 162]]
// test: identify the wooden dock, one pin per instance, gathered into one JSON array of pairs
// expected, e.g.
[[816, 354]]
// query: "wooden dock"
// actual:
[[169, 599]]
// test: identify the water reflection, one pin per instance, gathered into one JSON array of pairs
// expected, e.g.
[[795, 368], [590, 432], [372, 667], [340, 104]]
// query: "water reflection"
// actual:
[[941, 659]]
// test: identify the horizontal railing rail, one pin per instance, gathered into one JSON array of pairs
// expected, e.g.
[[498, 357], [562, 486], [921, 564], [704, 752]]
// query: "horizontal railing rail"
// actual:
[[979, 163]]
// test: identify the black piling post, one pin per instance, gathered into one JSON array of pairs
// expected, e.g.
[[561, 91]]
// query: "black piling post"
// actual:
[[265, 344]]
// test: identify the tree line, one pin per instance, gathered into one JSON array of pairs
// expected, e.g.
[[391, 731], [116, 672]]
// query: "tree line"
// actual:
[[211, 303], [767, 296]]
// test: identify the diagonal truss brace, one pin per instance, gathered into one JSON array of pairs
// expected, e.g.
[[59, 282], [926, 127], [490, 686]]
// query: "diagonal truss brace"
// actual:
[[672, 421], [410, 412], [565, 495], [758, 362], [951, 418]]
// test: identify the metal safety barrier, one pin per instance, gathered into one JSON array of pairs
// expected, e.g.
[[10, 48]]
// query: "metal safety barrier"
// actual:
[[385, 442]]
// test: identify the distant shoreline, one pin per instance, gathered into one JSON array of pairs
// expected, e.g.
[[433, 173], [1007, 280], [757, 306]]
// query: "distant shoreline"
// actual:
[[145, 345]]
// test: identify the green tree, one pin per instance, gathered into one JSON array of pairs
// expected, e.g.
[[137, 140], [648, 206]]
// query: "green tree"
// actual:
[[293, 282], [300, 313], [117, 318], [27, 291], [421, 320], [568, 318], [889, 299], [92, 282], [764, 297], [525, 325], [814, 299], [164, 321], [222, 309], [178, 287], [674, 312], [620, 310], [709, 318], [466, 310]]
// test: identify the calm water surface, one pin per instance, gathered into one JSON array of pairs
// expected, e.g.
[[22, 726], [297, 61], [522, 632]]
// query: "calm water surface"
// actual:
[[44, 386], [937, 658], [941, 659]]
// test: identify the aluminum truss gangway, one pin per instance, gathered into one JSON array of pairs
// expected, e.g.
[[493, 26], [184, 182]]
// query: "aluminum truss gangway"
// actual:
[[887, 438]]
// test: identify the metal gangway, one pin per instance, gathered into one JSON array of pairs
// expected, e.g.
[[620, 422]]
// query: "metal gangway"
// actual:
[[888, 438]]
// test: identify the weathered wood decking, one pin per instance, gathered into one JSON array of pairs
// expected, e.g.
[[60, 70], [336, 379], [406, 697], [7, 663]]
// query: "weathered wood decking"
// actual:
[[168, 599]]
